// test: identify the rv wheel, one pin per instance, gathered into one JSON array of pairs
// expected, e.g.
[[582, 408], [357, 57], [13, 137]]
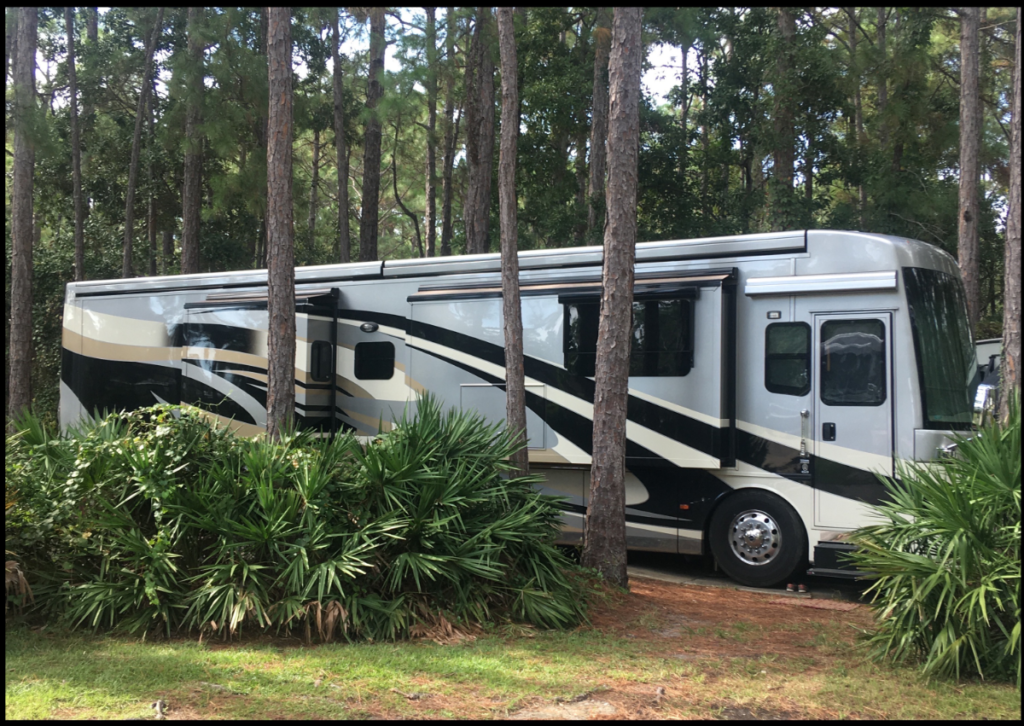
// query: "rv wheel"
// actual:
[[758, 539]]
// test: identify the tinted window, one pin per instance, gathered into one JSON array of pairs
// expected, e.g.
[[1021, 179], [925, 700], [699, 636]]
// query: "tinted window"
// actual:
[[787, 358], [661, 344], [853, 362], [946, 359], [320, 361], [375, 361]]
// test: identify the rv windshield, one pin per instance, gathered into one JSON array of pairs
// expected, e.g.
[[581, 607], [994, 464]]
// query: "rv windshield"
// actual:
[[946, 361]]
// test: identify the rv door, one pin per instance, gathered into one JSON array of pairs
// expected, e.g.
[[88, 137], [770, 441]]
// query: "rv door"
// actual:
[[853, 412]]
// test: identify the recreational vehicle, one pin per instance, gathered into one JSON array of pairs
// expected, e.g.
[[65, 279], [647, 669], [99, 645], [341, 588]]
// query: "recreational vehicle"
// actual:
[[772, 376]]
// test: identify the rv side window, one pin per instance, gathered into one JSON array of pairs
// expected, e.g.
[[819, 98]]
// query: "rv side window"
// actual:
[[375, 361], [853, 363], [320, 361], [787, 358], [662, 340]]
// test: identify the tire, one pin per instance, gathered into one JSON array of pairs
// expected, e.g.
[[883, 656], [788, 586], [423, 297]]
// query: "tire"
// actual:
[[774, 550]]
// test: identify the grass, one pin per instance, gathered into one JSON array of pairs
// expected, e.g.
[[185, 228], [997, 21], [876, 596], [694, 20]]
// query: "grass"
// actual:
[[74, 675]]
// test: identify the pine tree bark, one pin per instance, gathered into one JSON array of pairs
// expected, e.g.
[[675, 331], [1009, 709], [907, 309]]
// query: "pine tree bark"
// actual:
[[76, 149], [599, 122], [11, 43], [858, 106], [605, 545], [970, 146], [150, 197], [344, 239], [476, 210], [133, 169], [371, 150], [280, 232], [783, 151], [1010, 367], [19, 389], [190, 195], [515, 376], [430, 215], [883, 76], [451, 132]]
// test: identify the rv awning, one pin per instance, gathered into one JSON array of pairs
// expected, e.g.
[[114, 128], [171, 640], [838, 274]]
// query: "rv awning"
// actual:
[[258, 299], [647, 285], [807, 284]]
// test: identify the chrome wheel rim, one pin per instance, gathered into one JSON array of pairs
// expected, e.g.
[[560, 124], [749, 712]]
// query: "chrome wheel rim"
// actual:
[[755, 537]]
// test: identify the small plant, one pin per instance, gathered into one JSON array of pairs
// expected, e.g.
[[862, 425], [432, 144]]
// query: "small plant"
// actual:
[[947, 558]]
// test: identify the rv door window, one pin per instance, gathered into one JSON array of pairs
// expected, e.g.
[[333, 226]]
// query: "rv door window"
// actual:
[[787, 358], [320, 361], [375, 361], [662, 337], [853, 362]]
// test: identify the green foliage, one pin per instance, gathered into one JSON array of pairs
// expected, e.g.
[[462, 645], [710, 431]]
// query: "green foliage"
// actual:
[[947, 559], [157, 518]]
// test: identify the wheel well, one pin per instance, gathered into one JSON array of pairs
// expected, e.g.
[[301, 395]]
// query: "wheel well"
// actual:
[[706, 532]]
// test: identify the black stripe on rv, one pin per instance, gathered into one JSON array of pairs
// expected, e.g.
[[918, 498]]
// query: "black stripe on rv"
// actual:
[[695, 486], [833, 477]]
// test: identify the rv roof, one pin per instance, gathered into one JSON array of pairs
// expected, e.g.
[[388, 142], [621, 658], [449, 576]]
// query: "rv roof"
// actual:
[[701, 248]]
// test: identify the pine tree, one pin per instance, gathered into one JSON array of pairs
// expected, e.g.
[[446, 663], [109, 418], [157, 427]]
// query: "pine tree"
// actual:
[[605, 546], [515, 376], [372, 141], [476, 211], [19, 389], [1010, 368], [76, 149], [280, 232], [344, 242], [190, 195], [970, 146], [133, 169]]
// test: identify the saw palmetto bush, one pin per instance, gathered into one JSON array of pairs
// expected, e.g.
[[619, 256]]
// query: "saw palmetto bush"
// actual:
[[159, 518], [947, 559]]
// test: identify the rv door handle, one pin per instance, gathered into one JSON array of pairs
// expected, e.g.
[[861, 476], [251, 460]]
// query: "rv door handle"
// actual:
[[828, 432]]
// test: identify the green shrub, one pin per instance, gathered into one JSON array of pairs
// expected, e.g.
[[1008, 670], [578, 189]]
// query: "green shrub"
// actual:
[[158, 518], [947, 559]]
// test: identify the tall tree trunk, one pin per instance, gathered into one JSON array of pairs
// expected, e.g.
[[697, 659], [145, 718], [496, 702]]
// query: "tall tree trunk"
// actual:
[[398, 199], [11, 42], [311, 217], [280, 237], [92, 34], [133, 169], [19, 390], [150, 197], [968, 253], [451, 132], [190, 196], [605, 546], [344, 242], [262, 141], [371, 149], [599, 123], [1010, 368], [858, 107], [476, 211], [430, 216], [167, 252], [783, 152], [883, 78], [76, 149], [515, 375]]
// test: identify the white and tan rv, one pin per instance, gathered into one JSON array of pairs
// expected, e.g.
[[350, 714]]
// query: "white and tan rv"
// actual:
[[772, 376]]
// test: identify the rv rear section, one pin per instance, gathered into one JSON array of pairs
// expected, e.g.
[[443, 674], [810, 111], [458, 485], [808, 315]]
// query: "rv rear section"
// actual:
[[773, 378]]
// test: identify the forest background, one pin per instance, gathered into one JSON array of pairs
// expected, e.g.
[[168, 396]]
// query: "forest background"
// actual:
[[845, 118]]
